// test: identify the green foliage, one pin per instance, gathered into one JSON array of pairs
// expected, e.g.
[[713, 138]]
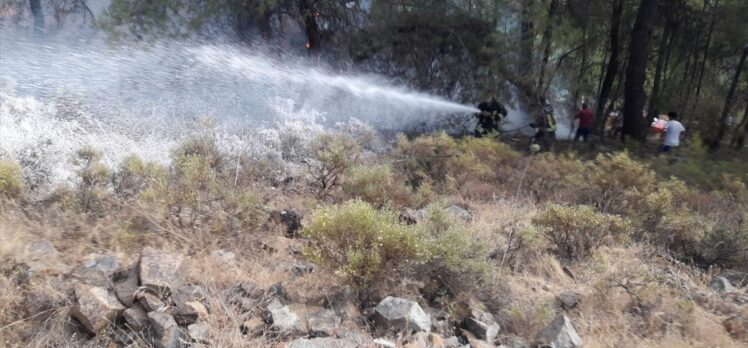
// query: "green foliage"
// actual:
[[361, 243], [376, 185], [332, 156], [451, 242], [616, 179], [95, 177], [449, 163], [11, 181], [364, 244], [134, 176], [577, 231]]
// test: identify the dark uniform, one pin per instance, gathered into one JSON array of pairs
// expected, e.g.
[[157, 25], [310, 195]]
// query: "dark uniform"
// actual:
[[546, 125], [488, 119]]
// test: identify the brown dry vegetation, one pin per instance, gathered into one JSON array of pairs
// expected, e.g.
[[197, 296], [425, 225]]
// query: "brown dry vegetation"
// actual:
[[640, 247]]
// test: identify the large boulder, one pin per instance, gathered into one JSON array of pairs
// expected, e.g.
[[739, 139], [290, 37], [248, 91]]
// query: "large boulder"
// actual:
[[322, 342], [96, 269], [199, 332], [135, 317], [736, 278], [190, 312], [150, 302], [187, 293], [397, 313], [165, 330], [560, 333], [125, 283], [162, 271], [41, 256], [284, 321], [569, 299], [721, 285], [324, 323], [96, 308], [482, 325]]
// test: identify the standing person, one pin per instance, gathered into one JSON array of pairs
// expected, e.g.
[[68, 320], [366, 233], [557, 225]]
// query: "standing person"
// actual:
[[546, 128], [491, 113], [673, 132], [585, 117]]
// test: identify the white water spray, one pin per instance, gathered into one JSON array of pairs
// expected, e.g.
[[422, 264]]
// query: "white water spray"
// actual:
[[58, 95]]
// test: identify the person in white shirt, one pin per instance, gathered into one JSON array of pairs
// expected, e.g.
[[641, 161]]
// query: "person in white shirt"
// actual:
[[673, 131]]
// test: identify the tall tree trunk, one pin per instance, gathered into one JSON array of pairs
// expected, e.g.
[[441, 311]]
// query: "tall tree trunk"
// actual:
[[612, 69], [742, 130], [636, 73], [706, 52], [311, 28], [689, 72], [38, 14], [663, 52], [722, 127], [547, 41], [527, 39]]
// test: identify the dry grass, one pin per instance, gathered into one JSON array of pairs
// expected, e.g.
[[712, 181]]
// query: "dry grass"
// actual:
[[635, 293]]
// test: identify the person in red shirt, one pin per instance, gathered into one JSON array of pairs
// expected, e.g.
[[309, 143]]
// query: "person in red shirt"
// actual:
[[585, 117]]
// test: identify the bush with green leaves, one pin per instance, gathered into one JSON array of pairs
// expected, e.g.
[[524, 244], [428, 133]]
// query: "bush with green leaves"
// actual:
[[135, 175], [332, 155], [11, 181], [577, 231], [364, 244], [448, 162], [377, 185], [361, 243]]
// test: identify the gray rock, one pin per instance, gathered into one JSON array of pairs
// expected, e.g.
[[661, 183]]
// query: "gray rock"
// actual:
[[397, 313], [199, 332], [41, 256], [96, 308], [721, 285], [284, 321], [482, 325], [136, 317], [300, 268], [459, 212], [187, 293], [162, 271], [452, 342], [125, 283], [569, 299], [150, 302], [321, 342], [227, 258], [560, 333], [324, 323], [381, 342], [736, 278], [190, 312], [292, 221], [475, 342], [96, 270], [165, 330]]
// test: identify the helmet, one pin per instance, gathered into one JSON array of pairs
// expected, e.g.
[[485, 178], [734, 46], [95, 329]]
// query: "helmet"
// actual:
[[534, 148]]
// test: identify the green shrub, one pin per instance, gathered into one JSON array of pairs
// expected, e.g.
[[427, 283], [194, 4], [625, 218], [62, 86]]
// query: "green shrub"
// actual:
[[135, 175], [616, 179], [577, 231], [376, 185], [448, 240], [361, 243], [332, 155], [11, 181], [449, 162]]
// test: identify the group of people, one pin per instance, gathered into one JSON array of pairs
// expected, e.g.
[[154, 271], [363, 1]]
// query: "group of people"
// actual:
[[492, 113]]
